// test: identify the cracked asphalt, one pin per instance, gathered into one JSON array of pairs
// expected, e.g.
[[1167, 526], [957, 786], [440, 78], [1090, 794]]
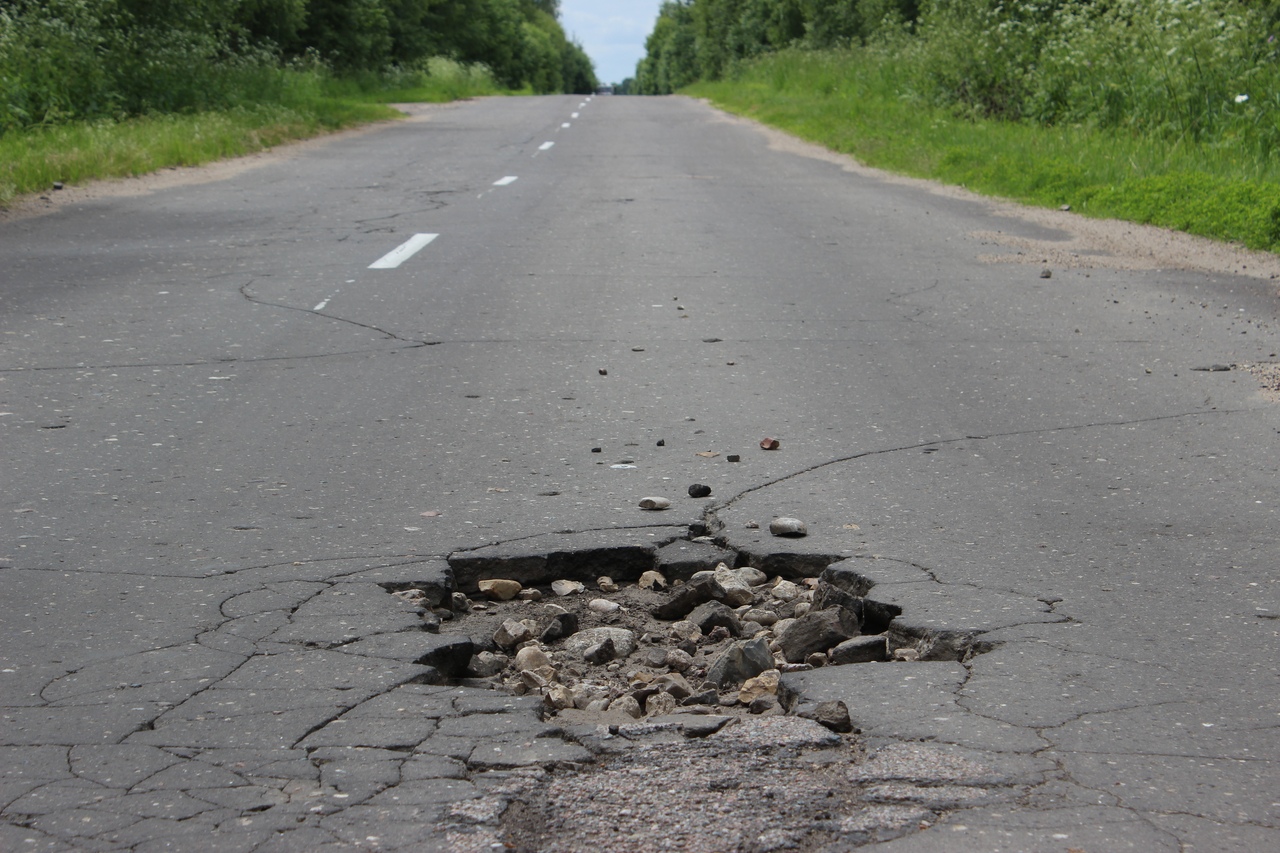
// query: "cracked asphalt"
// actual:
[[225, 439]]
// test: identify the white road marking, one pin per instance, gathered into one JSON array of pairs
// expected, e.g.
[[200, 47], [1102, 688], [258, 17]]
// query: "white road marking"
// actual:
[[320, 305], [574, 115], [502, 182], [566, 124], [403, 252], [546, 146]]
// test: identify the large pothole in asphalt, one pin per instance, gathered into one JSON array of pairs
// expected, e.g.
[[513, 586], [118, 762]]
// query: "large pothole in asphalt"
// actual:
[[618, 626]]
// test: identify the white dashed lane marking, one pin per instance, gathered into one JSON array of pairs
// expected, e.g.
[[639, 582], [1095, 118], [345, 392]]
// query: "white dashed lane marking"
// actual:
[[502, 182], [403, 252]]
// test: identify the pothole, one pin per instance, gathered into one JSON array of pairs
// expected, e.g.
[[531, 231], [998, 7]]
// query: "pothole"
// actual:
[[619, 626]]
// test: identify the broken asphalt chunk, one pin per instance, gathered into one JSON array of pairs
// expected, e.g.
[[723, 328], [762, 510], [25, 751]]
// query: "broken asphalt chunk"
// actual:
[[685, 598]]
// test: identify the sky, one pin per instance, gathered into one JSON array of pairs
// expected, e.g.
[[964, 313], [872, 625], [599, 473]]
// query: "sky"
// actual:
[[612, 32]]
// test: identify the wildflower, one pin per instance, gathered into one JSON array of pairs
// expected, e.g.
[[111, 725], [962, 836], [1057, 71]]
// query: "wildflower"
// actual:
[[1240, 99]]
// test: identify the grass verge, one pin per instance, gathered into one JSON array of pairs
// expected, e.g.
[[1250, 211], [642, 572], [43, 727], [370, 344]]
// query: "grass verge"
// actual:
[[306, 105], [850, 101]]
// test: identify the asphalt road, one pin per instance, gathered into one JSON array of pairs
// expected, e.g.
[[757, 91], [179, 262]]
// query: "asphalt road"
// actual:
[[214, 410]]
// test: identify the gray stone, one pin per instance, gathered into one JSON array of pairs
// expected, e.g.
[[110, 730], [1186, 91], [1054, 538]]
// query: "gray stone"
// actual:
[[737, 587], [685, 598], [600, 653], [627, 705], [624, 641], [660, 703], [485, 664], [712, 614], [834, 715], [815, 632], [739, 662], [787, 526], [511, 634], [860, 650], [562, 625]]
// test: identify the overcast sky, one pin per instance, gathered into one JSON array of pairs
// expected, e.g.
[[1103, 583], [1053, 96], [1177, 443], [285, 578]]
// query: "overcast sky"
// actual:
[[611, 31]]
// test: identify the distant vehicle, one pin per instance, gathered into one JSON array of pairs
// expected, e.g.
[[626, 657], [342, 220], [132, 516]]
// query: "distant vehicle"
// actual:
[[604, 90]]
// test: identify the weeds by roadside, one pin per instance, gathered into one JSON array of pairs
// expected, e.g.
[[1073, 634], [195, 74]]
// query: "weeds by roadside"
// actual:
[[855, 102]]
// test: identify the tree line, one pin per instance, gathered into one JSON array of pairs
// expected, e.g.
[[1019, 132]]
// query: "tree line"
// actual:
[[1194, 69], [63, 59]]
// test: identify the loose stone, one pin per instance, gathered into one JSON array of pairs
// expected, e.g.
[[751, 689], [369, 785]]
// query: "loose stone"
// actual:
[[511, 634], [679, 660], [709, 696], [684, 598], [785, 591], [604, 606], [486, 664], [562, 625], [814, 632], [673, 683], [699, 490], [817, 659], [623, 640], [860, 650], [834, 715], [712, 615], [500, 589], [606, 584], [628, 705], [530, 658], [655, 658], [763, 705], [601, 652], [660, 704], [530, 595], [786, 526], [764, 684], [770, 444], [737, 591], [558, 697], [906, 654], [564, 588], [739, 662], [655, 503], [652, 580], [685, 630], [459, 602], [760, 616]]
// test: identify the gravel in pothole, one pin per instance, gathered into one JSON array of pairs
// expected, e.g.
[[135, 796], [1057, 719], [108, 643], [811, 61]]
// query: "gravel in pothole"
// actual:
[[614, 652]]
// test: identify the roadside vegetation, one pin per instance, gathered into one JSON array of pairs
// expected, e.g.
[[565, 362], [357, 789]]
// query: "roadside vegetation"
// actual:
[[104, 88], [1158, 111]]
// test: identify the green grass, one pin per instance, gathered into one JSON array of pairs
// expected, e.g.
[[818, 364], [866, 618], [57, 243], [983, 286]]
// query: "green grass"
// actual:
[[852, 102], [298, 105]]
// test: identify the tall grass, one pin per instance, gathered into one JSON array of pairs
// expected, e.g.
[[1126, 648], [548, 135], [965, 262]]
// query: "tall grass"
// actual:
[[269, 105], [869, 102]]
